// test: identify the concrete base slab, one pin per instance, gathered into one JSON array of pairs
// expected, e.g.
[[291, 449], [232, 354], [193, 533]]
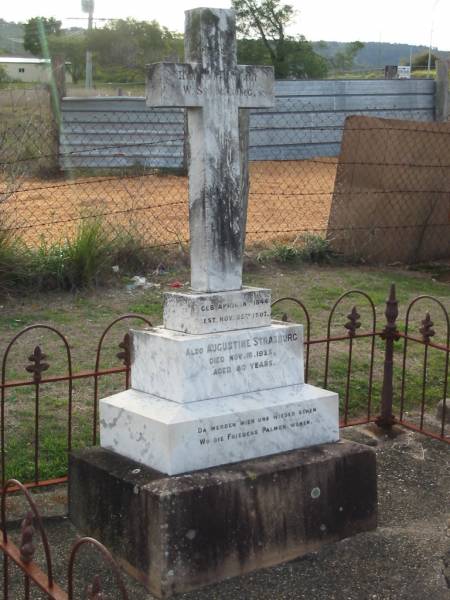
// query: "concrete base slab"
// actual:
[[179, 533]]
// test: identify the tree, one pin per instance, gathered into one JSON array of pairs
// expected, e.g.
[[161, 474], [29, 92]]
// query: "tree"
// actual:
[[420, 61], [344, 59], [72, 46], [262, 24], [36, 32], [122, 48], [3, 76], [301, 60], [267, 20]]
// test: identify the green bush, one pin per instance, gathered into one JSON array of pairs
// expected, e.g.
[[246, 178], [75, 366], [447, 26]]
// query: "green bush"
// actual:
[[315, 248], [308, 247], [285, 253]]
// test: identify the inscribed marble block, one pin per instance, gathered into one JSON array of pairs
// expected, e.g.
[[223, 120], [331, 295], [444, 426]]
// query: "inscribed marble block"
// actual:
[[177, 438], [196, 313], [186, 368]]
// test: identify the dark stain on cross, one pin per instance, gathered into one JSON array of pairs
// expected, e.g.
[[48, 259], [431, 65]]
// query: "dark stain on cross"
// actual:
[[213, 88]]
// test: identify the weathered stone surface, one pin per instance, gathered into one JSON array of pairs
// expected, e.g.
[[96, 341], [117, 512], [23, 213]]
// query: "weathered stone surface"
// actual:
[[180, 533], [213, 88], [214, 312], [174, 438], [187, 368]]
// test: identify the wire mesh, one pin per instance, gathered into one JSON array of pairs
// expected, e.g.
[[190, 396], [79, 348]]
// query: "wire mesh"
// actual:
[[356, 162]]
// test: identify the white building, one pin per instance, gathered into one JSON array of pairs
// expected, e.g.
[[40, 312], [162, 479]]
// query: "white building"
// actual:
[[37, 70]]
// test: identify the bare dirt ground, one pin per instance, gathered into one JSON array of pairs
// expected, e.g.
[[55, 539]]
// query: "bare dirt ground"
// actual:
[[286, 198]]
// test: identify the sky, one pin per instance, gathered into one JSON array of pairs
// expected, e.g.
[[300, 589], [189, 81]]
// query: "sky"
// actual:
[[402, 21]]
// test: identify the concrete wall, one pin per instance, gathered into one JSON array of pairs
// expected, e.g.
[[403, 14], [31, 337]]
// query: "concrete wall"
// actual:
[[307, 121], [28, 72]]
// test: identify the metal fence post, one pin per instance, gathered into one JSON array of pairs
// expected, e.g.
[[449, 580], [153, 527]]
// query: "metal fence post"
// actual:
[[57, 89], [442, 92], [390, 335]]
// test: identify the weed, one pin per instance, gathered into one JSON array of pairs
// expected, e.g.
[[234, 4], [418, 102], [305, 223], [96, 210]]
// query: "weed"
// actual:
[[307, 247], [315, 248], [14, 262], [82, 261], [88, 255]]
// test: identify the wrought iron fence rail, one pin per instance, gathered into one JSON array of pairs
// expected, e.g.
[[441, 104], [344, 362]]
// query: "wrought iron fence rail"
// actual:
[[34, 576], [62, 378], [392, 404]]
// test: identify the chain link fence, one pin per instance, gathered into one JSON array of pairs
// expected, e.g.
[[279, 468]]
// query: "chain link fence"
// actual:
[[115, 160]]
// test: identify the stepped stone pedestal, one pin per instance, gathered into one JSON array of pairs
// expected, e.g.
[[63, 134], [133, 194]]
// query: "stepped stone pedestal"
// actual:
[[207, 399], [219, 459]]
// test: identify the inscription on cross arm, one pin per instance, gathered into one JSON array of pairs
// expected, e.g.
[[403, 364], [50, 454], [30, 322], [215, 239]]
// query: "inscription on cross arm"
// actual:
[[175, 84], [213, 87]]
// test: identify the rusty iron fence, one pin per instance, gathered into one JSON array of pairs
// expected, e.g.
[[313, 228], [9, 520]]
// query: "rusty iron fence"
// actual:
[[23, 573], [388, 375]]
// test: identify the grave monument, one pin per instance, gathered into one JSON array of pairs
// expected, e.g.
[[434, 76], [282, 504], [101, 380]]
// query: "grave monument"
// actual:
[[176, 490]]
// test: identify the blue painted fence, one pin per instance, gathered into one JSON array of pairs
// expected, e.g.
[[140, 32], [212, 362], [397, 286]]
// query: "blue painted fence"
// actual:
[[307, 121]]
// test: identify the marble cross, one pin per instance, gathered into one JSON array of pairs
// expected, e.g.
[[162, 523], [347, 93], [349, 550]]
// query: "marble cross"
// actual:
[[213, 87]]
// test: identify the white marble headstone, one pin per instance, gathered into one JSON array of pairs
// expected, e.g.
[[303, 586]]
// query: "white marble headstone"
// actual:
[[219, 382]]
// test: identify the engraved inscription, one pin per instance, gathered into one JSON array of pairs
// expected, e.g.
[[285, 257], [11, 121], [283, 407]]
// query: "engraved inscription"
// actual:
[[235, 357], [235, 312], [231, 431]]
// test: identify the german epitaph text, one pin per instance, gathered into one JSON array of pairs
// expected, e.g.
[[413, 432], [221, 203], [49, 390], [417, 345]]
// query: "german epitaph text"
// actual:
[[213, 88]]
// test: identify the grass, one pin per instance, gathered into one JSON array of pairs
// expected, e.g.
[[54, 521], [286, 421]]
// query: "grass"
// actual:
[[83, 315], [90, 258], [28, 133]]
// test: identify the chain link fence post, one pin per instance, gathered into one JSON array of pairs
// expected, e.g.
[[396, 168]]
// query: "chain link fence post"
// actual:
[[442, 92]]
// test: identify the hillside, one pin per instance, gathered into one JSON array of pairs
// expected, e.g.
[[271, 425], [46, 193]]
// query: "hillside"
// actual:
[[373, 55], [376, 54], [11, 39]]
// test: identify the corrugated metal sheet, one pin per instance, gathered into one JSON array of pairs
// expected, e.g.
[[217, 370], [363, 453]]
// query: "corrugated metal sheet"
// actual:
[[307, 121]]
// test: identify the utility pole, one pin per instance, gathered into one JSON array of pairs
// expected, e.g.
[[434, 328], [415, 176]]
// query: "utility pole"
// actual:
[[431, 35], [87, 6]]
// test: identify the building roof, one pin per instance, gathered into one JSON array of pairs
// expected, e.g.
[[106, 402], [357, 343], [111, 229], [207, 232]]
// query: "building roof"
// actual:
[[24, 60]]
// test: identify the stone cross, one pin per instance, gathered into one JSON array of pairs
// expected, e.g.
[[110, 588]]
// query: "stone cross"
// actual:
[[213, 87]]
